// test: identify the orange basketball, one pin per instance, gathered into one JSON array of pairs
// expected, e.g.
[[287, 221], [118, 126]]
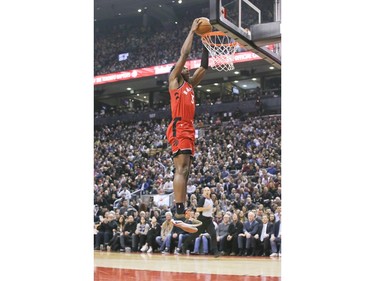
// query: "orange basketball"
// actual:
[[204, 26]]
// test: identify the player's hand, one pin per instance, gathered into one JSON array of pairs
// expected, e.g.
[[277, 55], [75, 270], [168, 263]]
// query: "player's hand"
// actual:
[[195, 24]]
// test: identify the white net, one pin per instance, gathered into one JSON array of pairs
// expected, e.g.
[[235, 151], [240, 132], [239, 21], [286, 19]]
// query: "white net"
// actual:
[[221, 48]]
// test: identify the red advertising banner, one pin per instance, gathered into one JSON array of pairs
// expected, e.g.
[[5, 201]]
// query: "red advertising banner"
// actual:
[[162, 69]]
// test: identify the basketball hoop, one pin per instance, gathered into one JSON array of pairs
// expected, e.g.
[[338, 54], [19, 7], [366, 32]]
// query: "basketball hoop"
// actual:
[[221, 48]]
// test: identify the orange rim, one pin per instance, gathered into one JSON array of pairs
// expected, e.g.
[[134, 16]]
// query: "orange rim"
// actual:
[[216, 33]]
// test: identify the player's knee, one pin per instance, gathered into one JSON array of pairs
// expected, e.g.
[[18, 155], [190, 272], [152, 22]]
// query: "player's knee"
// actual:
[[183, 170]]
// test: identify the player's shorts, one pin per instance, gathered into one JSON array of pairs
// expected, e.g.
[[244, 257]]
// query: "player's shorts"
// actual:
[[181, 136]]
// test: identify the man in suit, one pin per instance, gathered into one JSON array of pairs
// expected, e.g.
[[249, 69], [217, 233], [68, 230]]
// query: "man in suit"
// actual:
[[246, 239], [263, 237], [276, 239]]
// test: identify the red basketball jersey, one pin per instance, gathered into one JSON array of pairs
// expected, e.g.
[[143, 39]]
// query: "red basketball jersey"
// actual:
[[180, 132], [183, 103]]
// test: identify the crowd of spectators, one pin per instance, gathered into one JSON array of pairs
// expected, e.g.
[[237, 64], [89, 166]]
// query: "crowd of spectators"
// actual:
[[239, 158], [145, 44], [151, 48], [257, 96], [152, 44]]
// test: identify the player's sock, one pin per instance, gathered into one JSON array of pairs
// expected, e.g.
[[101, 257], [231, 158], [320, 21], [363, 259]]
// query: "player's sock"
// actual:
[[180, 208], [180, 211]]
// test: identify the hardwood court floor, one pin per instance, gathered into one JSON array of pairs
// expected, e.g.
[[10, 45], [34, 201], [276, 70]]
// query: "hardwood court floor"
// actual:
[[159, 267]]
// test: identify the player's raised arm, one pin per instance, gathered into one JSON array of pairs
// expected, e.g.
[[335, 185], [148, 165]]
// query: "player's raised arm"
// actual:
[[199, 73], [185, 51]]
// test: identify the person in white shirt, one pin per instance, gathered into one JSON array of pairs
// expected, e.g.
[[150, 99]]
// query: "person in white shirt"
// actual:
[[277, 213], [191, 188], [168, 186], [205, 209], [123, 191]]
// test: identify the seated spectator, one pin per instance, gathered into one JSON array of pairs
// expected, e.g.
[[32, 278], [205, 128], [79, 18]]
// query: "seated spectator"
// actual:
[[156, 213], [228, 185], [263, 247], [166, 229], [129, 231], [144, 185], [235, 228], [249, 204], [140, 234], [168, 186], [221, 235], [105, 231], [136, 216], [114, 243], [259, 215], [241, 216], [95, 233], [201, 244], [172, 239], [277, 213], [190, 189], [246, 239], [189, 218], [266, 197], [124, 207], [271, 218], [276, 239], [153, 232], [124, 192], [272, 169], [193, 202]]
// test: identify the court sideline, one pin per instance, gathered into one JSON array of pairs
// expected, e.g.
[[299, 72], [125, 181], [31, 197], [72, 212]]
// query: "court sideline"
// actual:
[[155, 267]]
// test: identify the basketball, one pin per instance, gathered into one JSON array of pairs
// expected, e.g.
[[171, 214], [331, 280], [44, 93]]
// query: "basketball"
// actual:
[[204, 26]]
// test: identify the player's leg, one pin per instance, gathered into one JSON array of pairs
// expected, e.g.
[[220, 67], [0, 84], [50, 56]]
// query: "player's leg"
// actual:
[[182, 167], [182, 159], [187, 175], [182, 164]]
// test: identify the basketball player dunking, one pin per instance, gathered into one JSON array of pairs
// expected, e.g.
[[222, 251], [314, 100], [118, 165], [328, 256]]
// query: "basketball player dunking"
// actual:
[[180, 132]]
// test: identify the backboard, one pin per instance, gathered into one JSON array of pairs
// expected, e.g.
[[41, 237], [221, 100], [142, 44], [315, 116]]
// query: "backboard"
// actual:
[[255, 27]]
